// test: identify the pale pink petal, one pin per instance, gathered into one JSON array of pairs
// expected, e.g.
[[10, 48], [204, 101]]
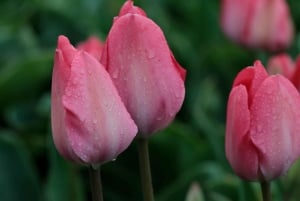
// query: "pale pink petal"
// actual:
[[240, 151], [275, 125], [61, 73], [144, 71], [98, 125]]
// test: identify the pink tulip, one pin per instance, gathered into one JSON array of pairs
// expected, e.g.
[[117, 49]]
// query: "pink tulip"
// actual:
[[281, 64], [262, 24], [93, 46], [90, 123], [144, 70], [263, 124]]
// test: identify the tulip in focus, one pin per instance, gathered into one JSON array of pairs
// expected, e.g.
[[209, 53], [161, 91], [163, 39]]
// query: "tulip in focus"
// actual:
[[263, 124], [90, 123], [144, 70], [259, 24]]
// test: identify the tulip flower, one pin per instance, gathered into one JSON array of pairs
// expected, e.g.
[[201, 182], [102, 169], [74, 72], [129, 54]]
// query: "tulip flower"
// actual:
[[259, 24], [281, 64], [263, 124], [149, 79], [284, 65], [90, 123], [93, 46]]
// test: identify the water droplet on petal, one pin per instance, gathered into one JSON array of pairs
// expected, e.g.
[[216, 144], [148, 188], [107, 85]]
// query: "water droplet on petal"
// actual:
[[151, 54], [115, 73]]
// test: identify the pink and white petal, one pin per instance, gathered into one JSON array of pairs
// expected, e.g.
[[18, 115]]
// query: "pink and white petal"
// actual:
[[275, 125], [98, 124], [240, 151], [140, 63], [60, 76]]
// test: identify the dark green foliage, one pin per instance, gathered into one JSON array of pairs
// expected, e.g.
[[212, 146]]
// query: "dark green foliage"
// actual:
[[190, 150]]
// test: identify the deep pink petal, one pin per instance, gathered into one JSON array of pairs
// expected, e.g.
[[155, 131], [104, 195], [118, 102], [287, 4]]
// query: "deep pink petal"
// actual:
[[144, 71], [240, 151], [98, 124], [275, 125], [295, 78], [60, 76]]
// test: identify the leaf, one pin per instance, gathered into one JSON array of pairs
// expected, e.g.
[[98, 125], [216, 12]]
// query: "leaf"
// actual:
[[18, 178]]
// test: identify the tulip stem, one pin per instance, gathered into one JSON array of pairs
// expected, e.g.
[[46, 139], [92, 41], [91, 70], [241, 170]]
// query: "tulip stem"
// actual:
[[96, 184], [266, 190], [145, 169]]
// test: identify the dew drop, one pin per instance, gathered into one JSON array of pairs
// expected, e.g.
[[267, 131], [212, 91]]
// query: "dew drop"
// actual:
[[159, 118], [113, 159], [151, 54], [115, 73], [94, 121]]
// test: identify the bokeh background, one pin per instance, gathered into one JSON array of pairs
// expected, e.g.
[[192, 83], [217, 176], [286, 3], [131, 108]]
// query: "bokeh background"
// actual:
[[190, 151]]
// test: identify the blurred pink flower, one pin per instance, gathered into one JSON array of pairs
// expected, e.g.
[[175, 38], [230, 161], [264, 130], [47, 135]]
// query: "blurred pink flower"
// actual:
[[262, 24], [281, 64], [93, 46]]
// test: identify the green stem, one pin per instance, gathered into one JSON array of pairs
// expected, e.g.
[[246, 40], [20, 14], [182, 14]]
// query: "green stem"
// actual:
[[96, 184], [145, 169], [266, 190]]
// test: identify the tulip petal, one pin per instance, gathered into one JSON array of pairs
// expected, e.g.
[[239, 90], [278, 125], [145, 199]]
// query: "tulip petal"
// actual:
[[240, 150], [251, 78], [275, 125], [98, 125], [61, 72], [142, 67]]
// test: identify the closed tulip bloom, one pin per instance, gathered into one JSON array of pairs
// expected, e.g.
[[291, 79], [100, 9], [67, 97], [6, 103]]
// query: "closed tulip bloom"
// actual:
[[90, 123], [93, 46], [144, 70], [260, 24], [263, 124], [281, 64]]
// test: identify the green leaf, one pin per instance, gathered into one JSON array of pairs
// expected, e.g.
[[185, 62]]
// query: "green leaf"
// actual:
[[18, 178]]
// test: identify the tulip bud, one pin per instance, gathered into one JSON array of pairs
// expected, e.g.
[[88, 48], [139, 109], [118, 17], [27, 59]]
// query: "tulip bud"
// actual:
[[93, 46], [281, 64], [263, 124], [259, 24], [144, 70], [90, 123]]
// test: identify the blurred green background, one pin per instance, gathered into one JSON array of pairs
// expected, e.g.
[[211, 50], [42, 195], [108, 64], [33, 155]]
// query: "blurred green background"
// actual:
[[190, 151]]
